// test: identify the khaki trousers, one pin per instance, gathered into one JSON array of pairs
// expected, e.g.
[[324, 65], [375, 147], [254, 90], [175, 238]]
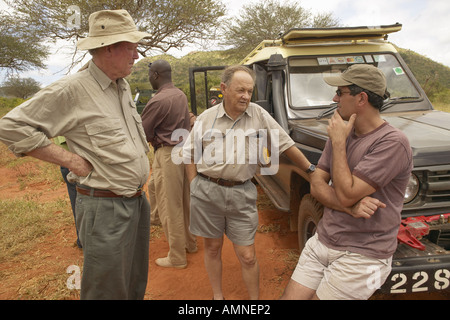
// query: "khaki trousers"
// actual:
[[172, 200], [154, 216]]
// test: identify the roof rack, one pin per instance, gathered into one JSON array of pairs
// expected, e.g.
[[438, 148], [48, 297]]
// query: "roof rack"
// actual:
[[307, 35]]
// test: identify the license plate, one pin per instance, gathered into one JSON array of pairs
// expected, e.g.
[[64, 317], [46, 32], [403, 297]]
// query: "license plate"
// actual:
[[417, 281]]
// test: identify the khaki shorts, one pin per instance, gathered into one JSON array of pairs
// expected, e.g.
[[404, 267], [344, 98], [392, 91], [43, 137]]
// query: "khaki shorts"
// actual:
[[216, 210], [339, 275]]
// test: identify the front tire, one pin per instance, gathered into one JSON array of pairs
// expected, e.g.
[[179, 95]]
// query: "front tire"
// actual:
[[310, 212]]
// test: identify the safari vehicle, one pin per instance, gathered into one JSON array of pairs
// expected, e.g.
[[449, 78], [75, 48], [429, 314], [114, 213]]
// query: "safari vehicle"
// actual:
[[215, 95], [289, 85], [142, 97]]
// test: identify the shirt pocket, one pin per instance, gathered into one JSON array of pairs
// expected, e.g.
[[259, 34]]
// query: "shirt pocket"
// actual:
[[256, 147], [109, 142]]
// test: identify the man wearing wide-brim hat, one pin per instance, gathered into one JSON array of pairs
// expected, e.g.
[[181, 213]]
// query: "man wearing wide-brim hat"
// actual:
[[93, 109]]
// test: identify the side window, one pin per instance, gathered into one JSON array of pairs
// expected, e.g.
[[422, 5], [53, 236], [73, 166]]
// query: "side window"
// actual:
[[260, 82], [267, 101], [262, 95], [269, 94]]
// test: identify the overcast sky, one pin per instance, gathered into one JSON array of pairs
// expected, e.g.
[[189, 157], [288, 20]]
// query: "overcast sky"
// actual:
[[426, 27]]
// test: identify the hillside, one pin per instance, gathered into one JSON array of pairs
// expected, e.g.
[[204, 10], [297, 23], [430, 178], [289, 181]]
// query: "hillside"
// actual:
[[432, 76], [180, 67], [180, 71]]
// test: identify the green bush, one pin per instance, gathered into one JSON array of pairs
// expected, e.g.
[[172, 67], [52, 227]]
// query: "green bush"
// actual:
[[442, 96], [7, 104]]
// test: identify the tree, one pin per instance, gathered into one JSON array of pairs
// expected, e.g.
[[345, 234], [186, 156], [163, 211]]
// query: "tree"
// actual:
[[268, 20], [19, 50], [20, 88], [172, 23]]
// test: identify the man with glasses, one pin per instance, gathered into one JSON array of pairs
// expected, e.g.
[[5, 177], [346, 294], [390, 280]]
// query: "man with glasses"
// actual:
[[369, 163]]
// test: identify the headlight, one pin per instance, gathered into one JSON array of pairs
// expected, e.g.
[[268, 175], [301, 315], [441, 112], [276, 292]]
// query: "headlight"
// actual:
[[411, 189]]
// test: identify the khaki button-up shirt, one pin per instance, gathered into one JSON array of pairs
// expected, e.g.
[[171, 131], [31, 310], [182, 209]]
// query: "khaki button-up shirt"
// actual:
[[99, 120], [233, 150]]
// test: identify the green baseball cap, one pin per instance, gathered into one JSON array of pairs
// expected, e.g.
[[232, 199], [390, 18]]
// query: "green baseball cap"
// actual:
[[365, 76]]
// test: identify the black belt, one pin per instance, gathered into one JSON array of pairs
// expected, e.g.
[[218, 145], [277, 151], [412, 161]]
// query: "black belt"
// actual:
[[104, 193], [222, 182]]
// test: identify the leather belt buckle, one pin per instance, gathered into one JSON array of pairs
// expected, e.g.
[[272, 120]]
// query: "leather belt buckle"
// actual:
[[104, 193]]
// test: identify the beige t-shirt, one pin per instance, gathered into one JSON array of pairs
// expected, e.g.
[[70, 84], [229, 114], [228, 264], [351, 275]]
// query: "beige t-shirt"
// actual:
[[99, 120], [233, 150]]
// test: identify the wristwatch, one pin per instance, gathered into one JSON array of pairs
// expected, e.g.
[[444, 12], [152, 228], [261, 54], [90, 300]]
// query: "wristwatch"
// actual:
[[311, 168]]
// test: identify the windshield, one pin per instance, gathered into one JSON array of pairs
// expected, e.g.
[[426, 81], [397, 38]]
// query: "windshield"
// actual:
[[308, 90]]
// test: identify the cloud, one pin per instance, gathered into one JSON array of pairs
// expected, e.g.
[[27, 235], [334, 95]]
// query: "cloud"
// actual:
[[430, 33]]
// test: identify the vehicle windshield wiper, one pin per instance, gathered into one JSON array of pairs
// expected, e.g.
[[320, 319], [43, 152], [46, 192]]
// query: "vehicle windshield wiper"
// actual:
[[328, 111], [394, 101], [386, 106]]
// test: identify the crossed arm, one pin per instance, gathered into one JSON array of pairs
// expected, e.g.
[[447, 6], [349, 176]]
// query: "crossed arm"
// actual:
[[363, 207], [349, 193]]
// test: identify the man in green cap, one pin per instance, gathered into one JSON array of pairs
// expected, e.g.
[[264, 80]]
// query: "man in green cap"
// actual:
[[361, 187]]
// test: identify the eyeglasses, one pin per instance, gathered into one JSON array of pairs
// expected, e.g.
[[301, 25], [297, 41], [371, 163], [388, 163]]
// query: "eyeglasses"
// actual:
[[340, 93]]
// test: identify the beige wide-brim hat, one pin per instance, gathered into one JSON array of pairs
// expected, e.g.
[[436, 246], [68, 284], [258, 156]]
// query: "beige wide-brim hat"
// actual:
[[107, 27]]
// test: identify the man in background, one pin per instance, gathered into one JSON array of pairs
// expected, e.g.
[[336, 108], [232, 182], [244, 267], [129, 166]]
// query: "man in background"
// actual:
[[166, 112]]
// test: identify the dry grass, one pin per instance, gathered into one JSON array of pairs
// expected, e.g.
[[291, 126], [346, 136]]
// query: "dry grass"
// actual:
[[26, 223], [25, 227], [23, 223]]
